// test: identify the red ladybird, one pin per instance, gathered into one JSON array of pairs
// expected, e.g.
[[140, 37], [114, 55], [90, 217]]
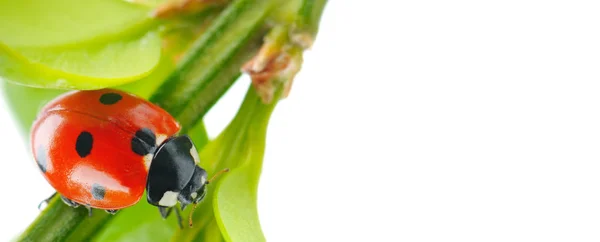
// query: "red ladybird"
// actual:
[[102, 148]]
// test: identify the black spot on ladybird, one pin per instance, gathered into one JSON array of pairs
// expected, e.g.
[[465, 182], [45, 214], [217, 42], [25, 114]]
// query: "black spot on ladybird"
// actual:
[[84, 143], [41, 159], [143, 142], [98, 191], [110, 98]]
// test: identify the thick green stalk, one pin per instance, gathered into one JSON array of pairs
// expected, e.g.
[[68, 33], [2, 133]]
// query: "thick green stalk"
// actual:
[[210, 52], [307, 22], [90, 226], [310, 15], [209, 94], [63, 219]]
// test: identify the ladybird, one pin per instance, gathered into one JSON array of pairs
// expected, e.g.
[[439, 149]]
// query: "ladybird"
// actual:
[[102, 148]]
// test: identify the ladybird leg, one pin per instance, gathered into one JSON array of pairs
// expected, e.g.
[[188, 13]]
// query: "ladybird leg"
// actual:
[[46, 201], [112, 211], [179, 219], [89, 210], [164, 212], [69, 202]]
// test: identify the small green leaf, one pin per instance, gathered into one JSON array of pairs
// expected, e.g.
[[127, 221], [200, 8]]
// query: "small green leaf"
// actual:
[[43, 23]]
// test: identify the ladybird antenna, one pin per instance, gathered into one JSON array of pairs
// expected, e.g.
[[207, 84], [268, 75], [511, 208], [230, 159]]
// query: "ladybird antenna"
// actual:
[[192, 213], [217, 175]]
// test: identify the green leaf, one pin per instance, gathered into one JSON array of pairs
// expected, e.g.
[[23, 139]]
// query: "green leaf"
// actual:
[[43, 23], [101, 61], [82, 67], [49, 44], [235, 197]]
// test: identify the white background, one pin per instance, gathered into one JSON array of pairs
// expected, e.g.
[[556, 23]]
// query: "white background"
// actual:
[[419, 121]]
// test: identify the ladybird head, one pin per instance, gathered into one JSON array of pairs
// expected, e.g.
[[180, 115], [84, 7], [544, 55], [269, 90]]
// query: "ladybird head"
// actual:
[[174, 175], [195, 191]]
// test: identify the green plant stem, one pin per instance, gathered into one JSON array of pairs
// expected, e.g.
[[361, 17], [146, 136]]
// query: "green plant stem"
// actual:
[[310, 14], [55, 223], [206, 97], [210, 52], [307, 22], [213, 62], [90, 226]]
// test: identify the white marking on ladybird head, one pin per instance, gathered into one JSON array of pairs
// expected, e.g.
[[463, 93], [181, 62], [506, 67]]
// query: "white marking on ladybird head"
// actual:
[[169, 199], [194, 154], [202, 180], [194, 195], [160, 139], [148, 160]]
